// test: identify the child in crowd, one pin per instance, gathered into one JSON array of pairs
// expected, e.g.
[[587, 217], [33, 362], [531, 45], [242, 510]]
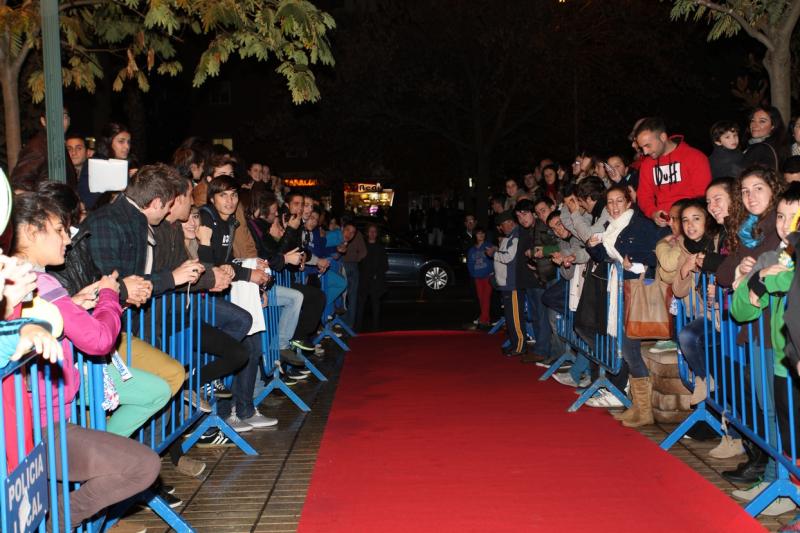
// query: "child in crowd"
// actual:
[[668, 250], [481, 268], [726, 160]]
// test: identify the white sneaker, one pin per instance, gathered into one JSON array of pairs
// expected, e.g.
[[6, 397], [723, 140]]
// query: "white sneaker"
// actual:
[[260, 421], [779, 507], [604, 399], [751, 492], [238, 425], [565, 379]]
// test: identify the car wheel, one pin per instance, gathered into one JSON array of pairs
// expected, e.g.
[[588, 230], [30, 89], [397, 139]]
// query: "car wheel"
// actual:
[[436, 277]]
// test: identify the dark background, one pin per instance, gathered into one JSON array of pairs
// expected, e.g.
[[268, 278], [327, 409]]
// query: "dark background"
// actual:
[[427, 94]]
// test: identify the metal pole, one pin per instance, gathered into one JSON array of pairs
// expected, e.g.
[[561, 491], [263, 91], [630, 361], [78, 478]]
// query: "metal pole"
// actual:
[[53, 98]]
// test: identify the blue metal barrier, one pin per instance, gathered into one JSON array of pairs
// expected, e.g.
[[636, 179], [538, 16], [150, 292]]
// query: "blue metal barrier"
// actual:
[[270, 347], [738, 372], [605, 351], [28, 491]]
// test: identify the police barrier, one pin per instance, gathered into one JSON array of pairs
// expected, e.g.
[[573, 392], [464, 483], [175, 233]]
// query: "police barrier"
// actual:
[[603, 349], [28, 474], [743, 387], [171, 323]]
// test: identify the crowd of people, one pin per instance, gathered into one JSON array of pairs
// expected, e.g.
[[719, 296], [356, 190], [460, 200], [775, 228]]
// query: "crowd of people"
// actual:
[[200, 223], [669, 214]]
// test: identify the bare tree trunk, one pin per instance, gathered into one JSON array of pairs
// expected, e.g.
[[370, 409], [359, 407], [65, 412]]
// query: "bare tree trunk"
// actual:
[[778, 65], [10, 85]]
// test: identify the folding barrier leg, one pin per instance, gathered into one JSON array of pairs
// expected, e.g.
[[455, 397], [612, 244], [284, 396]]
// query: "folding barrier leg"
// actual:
[[277, 383], [309, 365], [601, 382], [498, 326], [780, 488], [337, 321], [566, 356], [328, 332], [167, 514], [215, 421], [700, 414]]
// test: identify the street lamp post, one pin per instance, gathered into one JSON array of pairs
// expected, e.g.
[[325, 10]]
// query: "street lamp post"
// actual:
[[53, 98]]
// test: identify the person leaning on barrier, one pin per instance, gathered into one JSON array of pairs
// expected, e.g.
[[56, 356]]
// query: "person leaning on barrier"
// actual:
[[750, 229], [110, 468], [228, 354], [630, 240], [269, 234], [571, 253], [765, 287], [215, 238]]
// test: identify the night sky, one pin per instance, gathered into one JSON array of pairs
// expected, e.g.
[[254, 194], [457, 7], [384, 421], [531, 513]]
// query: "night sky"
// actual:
[[428, 93]]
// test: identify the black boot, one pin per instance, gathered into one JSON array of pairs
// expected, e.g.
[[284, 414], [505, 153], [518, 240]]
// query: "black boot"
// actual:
[[752, 470]]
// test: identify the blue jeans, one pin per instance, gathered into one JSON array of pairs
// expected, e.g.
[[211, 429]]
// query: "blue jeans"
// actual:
[[579, 368], [351, 272], [692, 341], [244, 381], [232, 319], [632, 353], [764, 365], [334, 284], [541, 324], [291, 300], [236, 322]]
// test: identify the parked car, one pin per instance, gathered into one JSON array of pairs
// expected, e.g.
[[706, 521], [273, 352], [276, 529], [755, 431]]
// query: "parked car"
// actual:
[[412, 265]]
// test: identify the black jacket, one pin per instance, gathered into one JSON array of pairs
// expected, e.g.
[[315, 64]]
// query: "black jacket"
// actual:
[[637, 241], [220, 251], [78, 270], [725, 163], [268, 248], [372, 269]]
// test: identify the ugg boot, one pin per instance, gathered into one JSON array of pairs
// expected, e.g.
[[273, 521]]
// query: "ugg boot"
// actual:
[[641, 390], [700, 391]]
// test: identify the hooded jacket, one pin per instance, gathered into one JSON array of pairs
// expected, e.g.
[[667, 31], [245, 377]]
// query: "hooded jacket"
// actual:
[[682, 173]]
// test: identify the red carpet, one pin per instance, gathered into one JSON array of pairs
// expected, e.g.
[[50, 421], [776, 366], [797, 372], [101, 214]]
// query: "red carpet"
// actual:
[[436, 431]]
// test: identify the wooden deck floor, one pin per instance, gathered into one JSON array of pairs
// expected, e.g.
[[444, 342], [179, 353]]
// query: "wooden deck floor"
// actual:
[[239, 493]]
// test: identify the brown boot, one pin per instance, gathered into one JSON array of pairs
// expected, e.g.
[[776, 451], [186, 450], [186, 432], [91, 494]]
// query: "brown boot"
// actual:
[[641, 390]]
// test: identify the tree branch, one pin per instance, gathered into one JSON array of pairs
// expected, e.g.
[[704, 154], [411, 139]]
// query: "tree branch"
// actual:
[[746, 26], [16, 66], [789, 20]]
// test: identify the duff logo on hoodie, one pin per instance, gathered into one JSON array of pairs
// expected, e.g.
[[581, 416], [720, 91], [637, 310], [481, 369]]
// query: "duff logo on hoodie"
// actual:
[[667, 174]]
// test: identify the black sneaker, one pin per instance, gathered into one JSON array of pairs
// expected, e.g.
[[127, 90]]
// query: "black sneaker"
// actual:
[[214, 438], [291, 373], [221, 392], [287, 380]]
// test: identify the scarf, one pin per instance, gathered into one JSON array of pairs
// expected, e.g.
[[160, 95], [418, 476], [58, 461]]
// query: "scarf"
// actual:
[[746, 232], [611, 233], [696, 247], [756, 140]]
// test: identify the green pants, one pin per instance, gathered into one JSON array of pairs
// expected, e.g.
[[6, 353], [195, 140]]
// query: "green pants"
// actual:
[[139, 398]]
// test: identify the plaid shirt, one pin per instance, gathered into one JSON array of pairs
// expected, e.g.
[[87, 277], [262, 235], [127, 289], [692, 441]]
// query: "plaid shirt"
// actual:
[[119, 242]]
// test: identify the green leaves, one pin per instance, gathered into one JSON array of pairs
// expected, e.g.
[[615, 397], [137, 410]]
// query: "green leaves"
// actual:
[[143, 36]]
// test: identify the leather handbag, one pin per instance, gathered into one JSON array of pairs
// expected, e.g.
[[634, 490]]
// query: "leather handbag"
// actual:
[[646, 311]]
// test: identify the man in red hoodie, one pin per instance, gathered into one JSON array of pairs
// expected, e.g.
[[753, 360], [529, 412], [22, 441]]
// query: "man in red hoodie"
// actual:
[[672, 171]]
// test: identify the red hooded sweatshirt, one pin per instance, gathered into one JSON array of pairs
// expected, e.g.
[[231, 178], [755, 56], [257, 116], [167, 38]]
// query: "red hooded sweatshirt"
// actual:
[[682, 173]]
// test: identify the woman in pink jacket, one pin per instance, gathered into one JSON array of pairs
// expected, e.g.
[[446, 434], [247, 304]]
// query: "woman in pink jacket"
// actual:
[[110, 468]]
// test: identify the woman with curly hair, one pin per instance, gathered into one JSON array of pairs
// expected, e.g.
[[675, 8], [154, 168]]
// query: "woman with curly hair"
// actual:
[[750, 228]]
